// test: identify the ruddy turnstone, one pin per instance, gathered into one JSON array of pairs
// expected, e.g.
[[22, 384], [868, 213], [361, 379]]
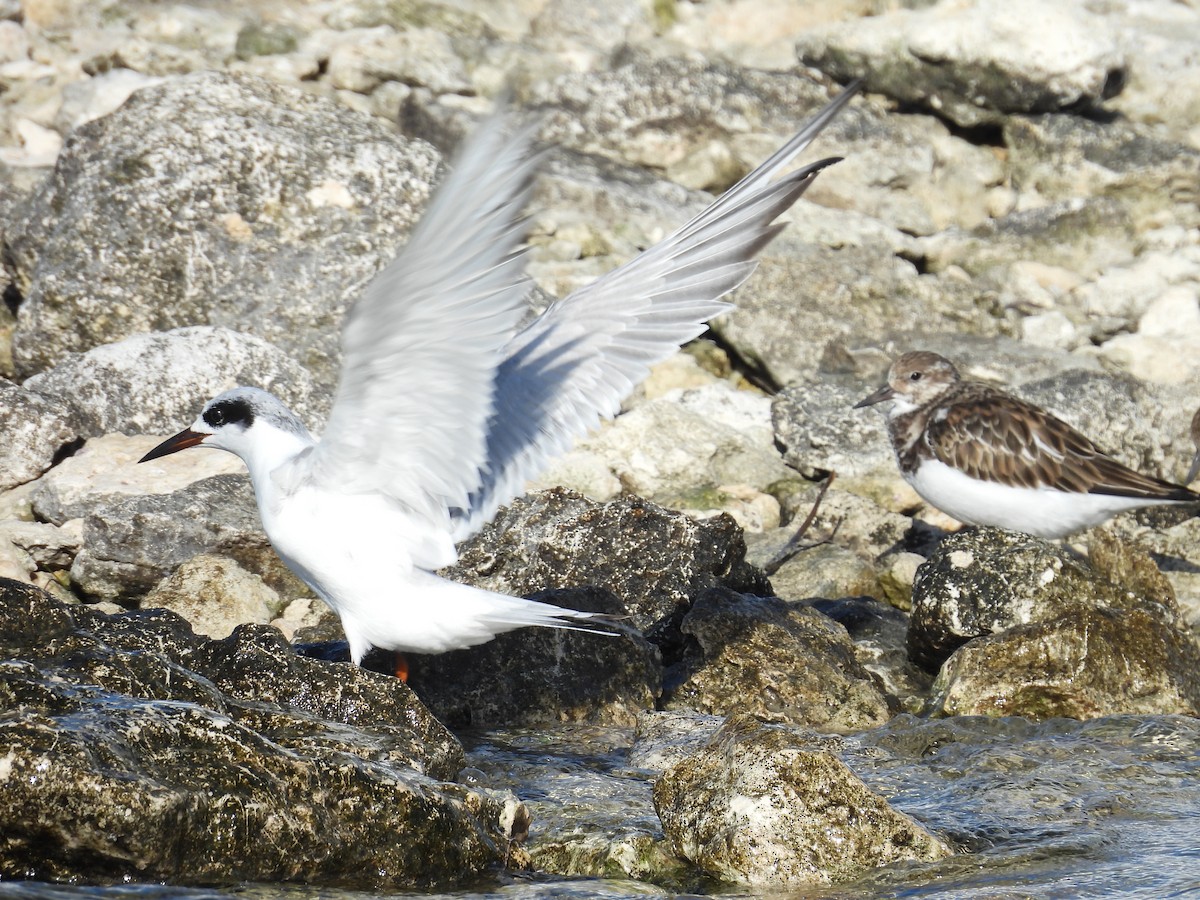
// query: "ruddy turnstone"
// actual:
[[988, 458]]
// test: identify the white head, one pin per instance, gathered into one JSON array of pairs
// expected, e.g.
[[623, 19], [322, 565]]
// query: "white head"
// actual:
[[247, 421], [913, 380]]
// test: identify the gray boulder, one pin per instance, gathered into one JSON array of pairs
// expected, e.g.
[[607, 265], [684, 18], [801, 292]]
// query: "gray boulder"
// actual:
[[760, 805], [131, 544], [33, 430], [779, 661], [158, 383], [654, 560], [268, 209], [985, 580], [973, 63], [209, 761]]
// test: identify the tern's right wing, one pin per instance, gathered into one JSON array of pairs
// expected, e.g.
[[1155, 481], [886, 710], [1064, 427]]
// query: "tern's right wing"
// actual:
[[422, 345], [575, 363]]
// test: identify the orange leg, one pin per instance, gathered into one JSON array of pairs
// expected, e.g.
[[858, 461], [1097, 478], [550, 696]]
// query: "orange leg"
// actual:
[[401, 667]]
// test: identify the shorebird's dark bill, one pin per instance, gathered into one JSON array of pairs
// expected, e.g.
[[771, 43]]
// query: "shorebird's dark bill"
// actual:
[[183, 440], [884, 393]]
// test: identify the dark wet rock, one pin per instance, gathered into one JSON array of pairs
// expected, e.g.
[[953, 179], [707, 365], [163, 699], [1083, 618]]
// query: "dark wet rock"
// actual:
[[130, 545], [782, 661], [158, 383], [1122, 648], [985, 580], [880, 635], [33, 430], [655, 560], [544, 675], [268, 209], [139, 751], [760, 805], [974, 63], [1093, 661]]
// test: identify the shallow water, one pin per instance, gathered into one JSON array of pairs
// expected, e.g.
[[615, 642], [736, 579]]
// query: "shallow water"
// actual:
[[1108, 807]]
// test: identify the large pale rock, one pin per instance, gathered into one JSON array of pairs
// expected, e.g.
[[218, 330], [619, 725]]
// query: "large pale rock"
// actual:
[[975, 62], [158, 383], [420, 57], [203, 761], [106, 470], [783, 662], [760, 806], [268, 210]]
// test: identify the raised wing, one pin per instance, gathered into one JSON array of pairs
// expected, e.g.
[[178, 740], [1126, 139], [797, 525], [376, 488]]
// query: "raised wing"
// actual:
[[998, 437], [422, 345], [575, 363]]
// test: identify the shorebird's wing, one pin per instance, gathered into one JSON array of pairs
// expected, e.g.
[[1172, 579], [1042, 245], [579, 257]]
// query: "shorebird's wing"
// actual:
[[997, 437], [422, 345], [574, 364]]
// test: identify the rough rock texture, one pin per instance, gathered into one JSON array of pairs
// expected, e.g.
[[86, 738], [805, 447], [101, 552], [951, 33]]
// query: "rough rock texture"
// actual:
[[758, 806], [33, 430], [1093, 661], [217, 761], [804, 669], [267, 210], [986, 580], [656, 561], [214, 594], [129, 545], [972, 63], [106, 469], [158, 383], [542, 675]]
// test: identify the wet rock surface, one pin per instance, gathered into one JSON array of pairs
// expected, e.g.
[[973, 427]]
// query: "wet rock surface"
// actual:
[[208, 761], [761, 806]]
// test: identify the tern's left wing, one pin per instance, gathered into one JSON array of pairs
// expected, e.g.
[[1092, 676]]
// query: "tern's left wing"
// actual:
[[422, 345], [575, 363]]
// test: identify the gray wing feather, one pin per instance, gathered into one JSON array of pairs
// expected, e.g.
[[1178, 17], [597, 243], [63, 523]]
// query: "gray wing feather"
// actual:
[[575, 363], [422, 345]]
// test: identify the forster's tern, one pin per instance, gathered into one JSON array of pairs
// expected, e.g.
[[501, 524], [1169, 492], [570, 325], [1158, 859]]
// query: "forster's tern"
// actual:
[[989, 458], [443, 413]]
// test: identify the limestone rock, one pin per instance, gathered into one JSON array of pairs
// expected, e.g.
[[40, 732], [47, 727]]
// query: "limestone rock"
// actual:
[[106, 470], [129, 545], [985, 580], [1090, 662], [33, 430], [215, 595], [211, 760], [158, 383], [269, 209], [780, 661], [975, 62], [758, 806], [654, 560]]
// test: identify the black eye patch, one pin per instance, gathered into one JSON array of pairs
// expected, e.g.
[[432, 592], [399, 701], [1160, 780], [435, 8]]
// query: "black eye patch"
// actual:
[[229, 412]]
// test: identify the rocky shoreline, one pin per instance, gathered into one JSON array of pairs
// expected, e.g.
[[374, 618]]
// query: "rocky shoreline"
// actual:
[[191, 197]]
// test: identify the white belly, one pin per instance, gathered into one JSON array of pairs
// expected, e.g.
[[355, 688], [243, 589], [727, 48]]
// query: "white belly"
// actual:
[[1038, 511]]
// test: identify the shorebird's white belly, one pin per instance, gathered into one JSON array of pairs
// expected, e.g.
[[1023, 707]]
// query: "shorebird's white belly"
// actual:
[[1038, 511]]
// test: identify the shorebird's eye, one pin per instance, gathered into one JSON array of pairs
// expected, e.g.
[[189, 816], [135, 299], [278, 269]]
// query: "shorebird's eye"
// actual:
[[215, 417], [915, 376]]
